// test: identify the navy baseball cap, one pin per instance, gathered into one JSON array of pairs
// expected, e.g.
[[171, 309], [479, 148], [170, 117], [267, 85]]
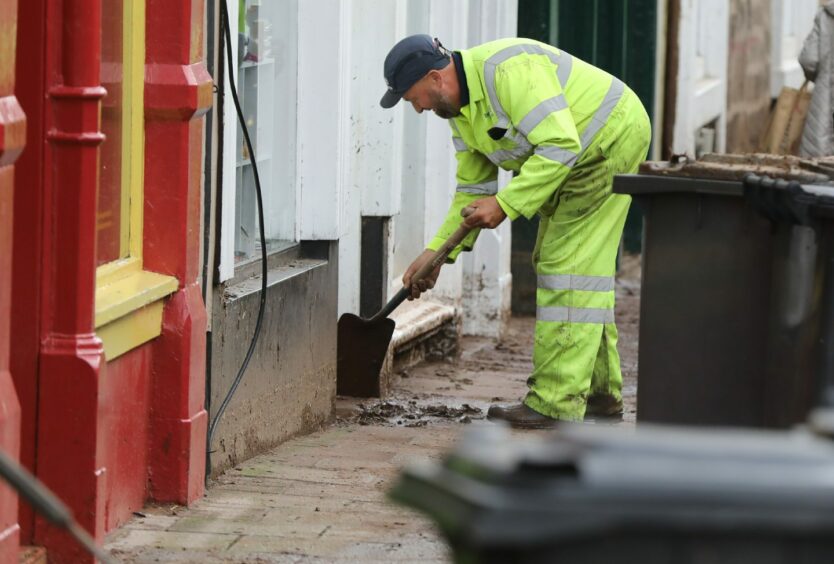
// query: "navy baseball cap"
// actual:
[[409, 61]]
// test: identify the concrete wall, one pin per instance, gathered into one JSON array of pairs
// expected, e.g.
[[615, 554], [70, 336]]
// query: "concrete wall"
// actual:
[[290, 384]]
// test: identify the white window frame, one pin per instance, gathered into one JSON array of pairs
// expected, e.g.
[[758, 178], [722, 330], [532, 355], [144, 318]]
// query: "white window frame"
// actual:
[[281, 211]]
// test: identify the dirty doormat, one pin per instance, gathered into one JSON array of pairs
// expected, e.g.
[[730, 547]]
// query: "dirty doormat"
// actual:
[[409, 413]]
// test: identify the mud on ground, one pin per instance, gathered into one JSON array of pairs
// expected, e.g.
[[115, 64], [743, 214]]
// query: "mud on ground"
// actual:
[[410, 413], [487, 371]]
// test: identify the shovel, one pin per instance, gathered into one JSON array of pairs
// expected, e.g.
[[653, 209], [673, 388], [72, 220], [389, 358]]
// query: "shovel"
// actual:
[[363, 343]]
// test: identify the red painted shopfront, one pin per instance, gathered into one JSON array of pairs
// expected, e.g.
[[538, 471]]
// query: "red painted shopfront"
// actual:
[[12, 141], [107, 351]]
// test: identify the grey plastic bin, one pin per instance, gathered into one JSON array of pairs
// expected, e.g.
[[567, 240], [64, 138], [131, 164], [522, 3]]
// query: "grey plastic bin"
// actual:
[[733, 286], [589, 495]]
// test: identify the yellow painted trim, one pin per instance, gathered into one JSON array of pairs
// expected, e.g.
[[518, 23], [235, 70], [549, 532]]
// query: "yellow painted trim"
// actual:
[[132, 330], [128, 299], [131, 293], [116, 270], [133, 128]]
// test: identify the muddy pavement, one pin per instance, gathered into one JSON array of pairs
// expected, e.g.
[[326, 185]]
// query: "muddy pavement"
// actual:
[[411, 414], [322, 497], [461, 389]]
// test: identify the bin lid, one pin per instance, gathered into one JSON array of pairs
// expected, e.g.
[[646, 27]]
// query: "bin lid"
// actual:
[[728, 166], [778, 199], [497, 489]]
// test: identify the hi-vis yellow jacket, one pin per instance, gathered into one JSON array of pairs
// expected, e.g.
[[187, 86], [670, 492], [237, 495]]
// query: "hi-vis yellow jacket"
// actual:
[[534, 110]]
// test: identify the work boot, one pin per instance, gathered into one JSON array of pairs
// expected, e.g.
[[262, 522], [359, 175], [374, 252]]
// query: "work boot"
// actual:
[[604, 406], [520, 416]]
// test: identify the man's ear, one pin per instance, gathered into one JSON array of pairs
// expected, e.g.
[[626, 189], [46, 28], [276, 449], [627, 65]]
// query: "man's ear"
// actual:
[[435, 77]]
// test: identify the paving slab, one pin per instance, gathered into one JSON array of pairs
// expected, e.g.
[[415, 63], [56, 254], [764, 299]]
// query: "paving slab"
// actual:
[[322, 497]]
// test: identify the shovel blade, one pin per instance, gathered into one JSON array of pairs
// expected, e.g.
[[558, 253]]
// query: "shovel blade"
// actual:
[[361, 349]]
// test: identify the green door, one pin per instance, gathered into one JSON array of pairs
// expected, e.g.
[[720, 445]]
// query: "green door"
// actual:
[[618, 36]]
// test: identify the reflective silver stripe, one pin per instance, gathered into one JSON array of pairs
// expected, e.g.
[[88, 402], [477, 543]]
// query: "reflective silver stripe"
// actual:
[[575, 282], [615, 92], [498, 157], [523, 146], [565, 63], [535, 116], [600, 117], [459, 144], [558, 154], [575, 314], [562, 59], [489, 188], [522, 149], [454, 127]]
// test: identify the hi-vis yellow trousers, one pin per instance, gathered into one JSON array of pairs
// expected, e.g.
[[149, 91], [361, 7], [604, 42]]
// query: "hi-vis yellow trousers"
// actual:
[[575, 353]]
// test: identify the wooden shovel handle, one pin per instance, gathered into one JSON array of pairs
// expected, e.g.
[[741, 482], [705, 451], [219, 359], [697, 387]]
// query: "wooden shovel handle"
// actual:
[[439, 257], [441, 254]]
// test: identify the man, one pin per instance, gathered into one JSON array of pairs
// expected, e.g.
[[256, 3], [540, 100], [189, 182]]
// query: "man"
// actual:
[[565, 128]]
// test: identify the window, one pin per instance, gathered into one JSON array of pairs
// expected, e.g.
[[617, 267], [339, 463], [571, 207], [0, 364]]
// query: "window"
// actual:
[[112, 223], [128, 306], [118, 223], [266, 63]]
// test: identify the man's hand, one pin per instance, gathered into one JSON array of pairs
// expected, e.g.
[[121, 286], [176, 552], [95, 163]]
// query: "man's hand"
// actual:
[[487, 214], [427, 283]]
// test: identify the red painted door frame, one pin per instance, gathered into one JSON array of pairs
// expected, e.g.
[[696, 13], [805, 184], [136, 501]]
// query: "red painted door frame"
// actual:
[[12, 141], [70, 418], [67, 397], [28, 227], [178, 93]]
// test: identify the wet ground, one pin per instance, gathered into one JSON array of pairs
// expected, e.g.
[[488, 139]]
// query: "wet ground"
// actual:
[[322, 497], [410, 413]]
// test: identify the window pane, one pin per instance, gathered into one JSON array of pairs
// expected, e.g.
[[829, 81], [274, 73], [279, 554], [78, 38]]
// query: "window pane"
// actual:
[[266, 89], [109, 217]]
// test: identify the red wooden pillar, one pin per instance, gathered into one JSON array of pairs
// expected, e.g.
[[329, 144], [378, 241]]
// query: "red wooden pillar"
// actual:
[[177, 95], [12, 140], [70, 415], [28, 238]]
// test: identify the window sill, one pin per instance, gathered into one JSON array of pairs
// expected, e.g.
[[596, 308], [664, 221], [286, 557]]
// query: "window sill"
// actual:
[[278, 252], [129, 310], [275, 275], [274, 247]]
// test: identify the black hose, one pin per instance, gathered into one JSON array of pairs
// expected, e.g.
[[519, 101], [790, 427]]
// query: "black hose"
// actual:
[[224, 22]]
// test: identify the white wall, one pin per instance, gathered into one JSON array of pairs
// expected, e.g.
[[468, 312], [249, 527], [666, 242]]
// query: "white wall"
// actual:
[[373, 174], [447, 20], [702, 72], [480, 282], [323, 126], [346, 157], [418, 149], [487, 279]]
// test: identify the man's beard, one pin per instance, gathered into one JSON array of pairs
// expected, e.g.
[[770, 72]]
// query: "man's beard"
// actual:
[[444, 107]]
